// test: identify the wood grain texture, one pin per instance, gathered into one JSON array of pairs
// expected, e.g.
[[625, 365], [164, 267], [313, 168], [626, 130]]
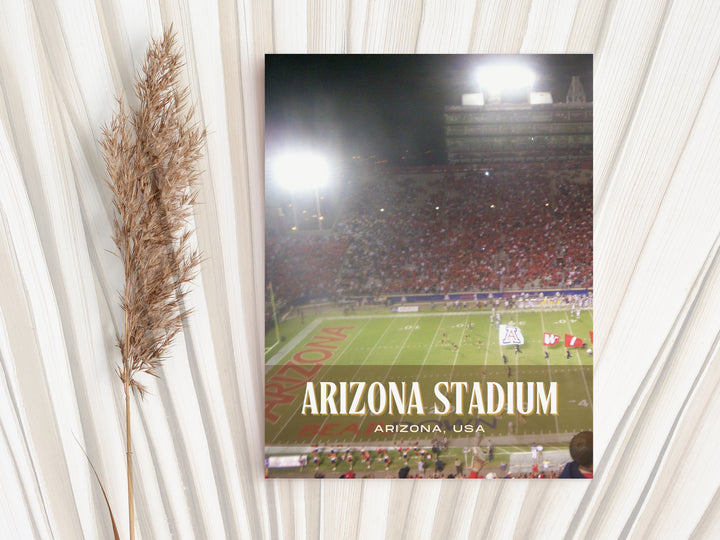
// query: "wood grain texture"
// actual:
[[199, 440]]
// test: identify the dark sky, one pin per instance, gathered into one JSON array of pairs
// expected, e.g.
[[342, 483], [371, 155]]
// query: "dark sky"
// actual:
[[383, 105]]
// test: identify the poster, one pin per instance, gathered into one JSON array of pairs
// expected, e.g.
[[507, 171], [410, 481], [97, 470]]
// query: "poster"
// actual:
[[428, 266]]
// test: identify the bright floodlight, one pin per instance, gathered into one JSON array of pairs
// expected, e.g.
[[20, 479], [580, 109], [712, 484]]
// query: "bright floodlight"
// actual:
[[497, 78], [300, 171]]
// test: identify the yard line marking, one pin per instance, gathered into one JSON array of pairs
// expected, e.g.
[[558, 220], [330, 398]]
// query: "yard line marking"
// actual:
[[515, 428], [434, 339], [294, 342], [358, 370], [542, 321], [582, 371], [460, 344], [292, 416], [351, 341], [452, 369], [426, 356], [327, 417], [376, 343], [517, 377], [487, 349], [415, 327], [384, 380]]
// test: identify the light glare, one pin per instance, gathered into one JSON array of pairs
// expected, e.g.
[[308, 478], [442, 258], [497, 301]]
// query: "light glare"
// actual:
[[497, 78], [300, 171]]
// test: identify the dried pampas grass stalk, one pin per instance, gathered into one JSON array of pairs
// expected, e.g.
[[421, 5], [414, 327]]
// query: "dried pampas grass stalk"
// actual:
[[151, 155]]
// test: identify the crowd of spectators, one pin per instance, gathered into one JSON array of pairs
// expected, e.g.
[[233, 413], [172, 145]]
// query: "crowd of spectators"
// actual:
[[304, 265], [516, 227]]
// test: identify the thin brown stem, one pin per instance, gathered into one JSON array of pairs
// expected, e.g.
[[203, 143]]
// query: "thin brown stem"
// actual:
[[128, 454], [131, 503]]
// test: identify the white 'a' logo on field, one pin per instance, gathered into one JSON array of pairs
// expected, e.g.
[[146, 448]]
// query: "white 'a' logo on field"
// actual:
[[511, 336]]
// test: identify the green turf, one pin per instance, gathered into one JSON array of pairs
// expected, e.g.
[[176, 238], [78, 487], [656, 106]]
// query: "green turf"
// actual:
[[349, 344], [415, 339]]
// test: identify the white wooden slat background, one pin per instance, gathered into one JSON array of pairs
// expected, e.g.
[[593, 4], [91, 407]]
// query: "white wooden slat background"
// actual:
[[199, 436]]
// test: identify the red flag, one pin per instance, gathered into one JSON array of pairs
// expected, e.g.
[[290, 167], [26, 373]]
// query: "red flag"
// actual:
[[572, 341], [591, 337], [550, 339]]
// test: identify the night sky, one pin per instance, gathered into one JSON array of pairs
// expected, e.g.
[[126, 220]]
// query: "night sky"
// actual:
[[386, 106]]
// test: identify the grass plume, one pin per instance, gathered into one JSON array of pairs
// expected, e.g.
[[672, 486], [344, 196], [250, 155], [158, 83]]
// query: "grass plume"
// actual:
[[151, 154]]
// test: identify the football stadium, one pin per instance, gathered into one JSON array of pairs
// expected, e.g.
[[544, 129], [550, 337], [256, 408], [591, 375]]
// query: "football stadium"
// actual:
[[429, 310]]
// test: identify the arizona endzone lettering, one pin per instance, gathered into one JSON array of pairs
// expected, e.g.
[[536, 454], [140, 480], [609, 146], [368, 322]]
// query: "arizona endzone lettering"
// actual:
[[281, 388]]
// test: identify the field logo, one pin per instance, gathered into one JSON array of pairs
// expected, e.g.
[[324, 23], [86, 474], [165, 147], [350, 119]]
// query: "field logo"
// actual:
[[511, 335], [550, 339]]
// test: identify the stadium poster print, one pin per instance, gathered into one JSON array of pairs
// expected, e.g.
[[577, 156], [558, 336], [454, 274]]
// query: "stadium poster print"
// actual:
[[428, 266]]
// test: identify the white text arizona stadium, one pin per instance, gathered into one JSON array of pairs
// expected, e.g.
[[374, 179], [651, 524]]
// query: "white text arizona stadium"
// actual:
[[377, 398]]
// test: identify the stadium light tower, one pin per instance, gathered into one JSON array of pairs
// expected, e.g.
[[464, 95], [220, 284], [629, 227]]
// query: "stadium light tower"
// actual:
[[498, 77], [302, 171]]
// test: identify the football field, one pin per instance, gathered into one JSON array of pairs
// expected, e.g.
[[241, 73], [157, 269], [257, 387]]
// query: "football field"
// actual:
[[429, 338], [426, 345]]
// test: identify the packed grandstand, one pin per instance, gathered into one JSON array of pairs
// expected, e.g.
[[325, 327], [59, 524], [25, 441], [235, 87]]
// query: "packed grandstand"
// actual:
[[517, 226]]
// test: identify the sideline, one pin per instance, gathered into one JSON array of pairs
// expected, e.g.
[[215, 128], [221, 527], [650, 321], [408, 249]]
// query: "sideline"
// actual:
[[294, 342]]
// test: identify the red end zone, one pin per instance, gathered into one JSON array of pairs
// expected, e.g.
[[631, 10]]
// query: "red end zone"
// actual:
[[282, 387]]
